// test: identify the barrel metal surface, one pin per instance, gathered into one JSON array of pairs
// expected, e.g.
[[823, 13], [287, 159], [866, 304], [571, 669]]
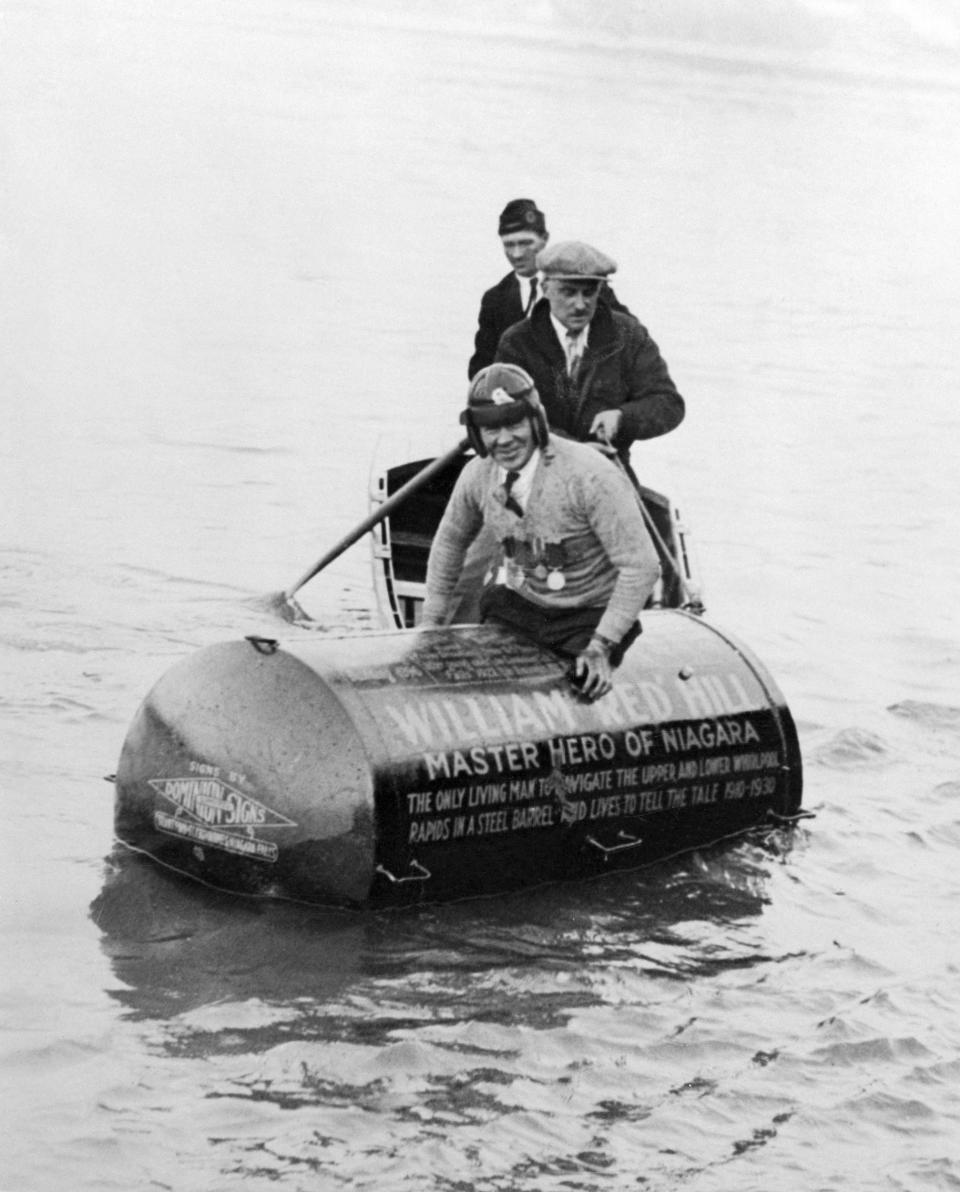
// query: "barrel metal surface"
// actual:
[[425, 765]]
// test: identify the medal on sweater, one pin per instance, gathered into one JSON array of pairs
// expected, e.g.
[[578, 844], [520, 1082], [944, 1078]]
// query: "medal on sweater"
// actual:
[[554, 557], [510, 574], [535, 562]]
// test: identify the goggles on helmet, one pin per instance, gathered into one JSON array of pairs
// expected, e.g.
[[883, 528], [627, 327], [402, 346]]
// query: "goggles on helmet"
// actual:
[[488, 417]]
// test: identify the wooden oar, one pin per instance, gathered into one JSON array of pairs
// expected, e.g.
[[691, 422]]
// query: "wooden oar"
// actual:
[[393, 502], [690, 599]]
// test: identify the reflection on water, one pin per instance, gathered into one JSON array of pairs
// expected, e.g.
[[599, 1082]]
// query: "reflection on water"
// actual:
[[176, 945], [541, 1030]]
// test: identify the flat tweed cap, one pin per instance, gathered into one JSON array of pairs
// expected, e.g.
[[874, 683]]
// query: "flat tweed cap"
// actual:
[[572, 260]]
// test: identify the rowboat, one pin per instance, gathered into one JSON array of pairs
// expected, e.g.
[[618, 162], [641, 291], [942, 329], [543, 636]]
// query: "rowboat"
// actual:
[[415, 765]]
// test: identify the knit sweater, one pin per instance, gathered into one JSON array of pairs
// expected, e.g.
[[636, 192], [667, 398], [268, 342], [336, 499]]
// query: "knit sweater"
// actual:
[[581, 542]]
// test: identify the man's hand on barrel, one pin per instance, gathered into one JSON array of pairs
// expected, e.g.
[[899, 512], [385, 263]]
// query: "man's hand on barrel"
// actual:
[[592, 672]]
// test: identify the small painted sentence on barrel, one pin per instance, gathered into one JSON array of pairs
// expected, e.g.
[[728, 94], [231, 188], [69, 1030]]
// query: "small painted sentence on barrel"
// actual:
[[521, 804]]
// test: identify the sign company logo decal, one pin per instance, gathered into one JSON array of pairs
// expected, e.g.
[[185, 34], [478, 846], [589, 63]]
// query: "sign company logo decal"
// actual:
[[210, 811]]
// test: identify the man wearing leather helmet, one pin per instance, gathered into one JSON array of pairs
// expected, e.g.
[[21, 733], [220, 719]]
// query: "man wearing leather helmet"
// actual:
[[574, 564]]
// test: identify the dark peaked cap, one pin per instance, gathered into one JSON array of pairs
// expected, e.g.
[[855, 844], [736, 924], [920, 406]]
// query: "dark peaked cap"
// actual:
[[522, 215]]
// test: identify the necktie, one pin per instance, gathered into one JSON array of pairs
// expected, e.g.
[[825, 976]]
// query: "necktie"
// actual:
[[533, 296], [573, 354], [511, 501]]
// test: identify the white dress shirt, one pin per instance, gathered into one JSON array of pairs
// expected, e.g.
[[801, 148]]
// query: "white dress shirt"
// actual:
[[573, 345], [524, 481], [525, 283]]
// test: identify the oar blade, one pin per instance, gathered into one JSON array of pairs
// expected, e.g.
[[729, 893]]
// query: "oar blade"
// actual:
[[281, 605]]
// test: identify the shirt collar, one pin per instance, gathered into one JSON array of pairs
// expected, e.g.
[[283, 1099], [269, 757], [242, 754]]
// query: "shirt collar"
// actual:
[[564, 336], [525, 473]]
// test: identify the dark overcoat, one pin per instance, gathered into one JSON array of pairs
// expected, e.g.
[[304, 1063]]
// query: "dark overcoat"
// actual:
[[621, 369]]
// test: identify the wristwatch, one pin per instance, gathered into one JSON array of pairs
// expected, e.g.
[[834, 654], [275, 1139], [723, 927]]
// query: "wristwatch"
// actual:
[[604, 643]]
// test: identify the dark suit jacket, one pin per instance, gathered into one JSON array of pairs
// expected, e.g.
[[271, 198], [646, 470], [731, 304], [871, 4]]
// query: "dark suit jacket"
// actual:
[[499, 309]]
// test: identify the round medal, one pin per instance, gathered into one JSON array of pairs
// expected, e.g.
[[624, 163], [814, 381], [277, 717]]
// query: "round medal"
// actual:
[[556, 581]]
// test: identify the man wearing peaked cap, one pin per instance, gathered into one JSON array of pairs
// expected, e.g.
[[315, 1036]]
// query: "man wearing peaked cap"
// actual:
[[599, 374], [521, 215], [522, 229], [572, 563]]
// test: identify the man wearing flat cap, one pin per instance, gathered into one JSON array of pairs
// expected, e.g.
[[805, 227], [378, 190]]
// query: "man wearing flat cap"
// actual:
[[572, 564], [523, 234], [599, 374]]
